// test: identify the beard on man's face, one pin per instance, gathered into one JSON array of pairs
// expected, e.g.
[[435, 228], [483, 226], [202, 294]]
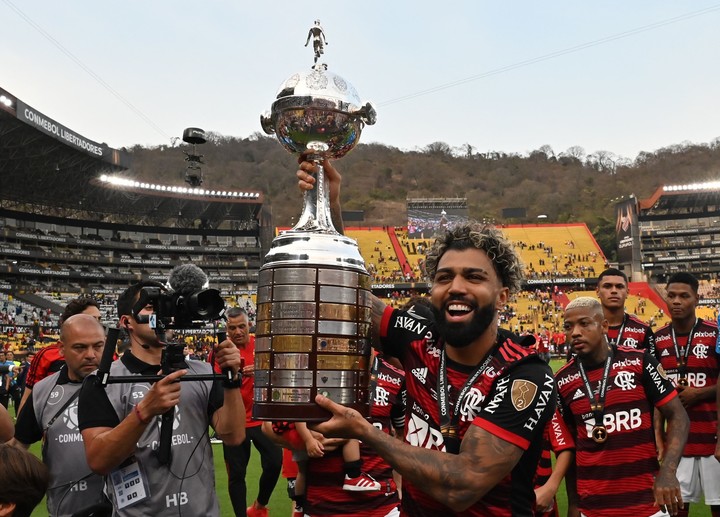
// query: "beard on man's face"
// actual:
[[460, 335]]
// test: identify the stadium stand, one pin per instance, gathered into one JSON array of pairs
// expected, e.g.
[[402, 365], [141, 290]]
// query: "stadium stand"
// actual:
[[557, 250], [675, 229], [68, 226], [381, 259], [74, 221], [652, 311]]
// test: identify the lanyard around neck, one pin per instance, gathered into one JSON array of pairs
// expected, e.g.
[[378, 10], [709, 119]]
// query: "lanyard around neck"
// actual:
[[597, 405], [682, 357], [449, 419]]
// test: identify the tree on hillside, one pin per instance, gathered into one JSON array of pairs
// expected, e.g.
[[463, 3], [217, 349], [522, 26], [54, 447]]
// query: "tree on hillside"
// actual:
[[575, 187], [438, 149]]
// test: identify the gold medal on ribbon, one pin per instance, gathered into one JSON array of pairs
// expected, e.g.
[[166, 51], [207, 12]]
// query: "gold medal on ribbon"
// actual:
[[599, 434], [682, 381]]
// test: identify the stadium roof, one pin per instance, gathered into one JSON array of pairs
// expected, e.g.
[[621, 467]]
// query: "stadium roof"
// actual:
[[677, 197], [46, 168]]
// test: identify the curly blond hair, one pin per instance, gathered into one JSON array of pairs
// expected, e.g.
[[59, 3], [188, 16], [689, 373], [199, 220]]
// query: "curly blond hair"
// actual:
[[487, 238]]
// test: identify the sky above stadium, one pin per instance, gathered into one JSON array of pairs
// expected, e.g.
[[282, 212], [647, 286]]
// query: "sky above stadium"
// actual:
[[616, 76]]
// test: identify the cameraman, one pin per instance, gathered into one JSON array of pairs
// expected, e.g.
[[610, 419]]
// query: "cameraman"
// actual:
[[121, 426]]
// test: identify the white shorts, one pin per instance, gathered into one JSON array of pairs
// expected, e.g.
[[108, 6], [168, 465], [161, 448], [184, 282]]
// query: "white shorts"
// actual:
[[656, 514], [699, 476]]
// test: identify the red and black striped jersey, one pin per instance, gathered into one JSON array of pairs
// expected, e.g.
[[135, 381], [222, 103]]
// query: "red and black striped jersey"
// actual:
[[702, 371], [47, 361], [325, 495], [388, 404], [635, 334], [556, 439], [513, 399], [615, 478]]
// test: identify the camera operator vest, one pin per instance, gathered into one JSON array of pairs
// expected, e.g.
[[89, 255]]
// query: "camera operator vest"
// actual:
[[73, 485], [186, 485]]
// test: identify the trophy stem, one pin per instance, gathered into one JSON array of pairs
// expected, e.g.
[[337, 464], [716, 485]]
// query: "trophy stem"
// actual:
[[316, 216]]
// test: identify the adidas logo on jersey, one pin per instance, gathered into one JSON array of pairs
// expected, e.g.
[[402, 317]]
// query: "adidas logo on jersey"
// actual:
[[578, 394], [420, 374], [665, 353]]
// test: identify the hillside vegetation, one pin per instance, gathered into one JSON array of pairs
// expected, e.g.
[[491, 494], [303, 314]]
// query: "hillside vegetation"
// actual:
[[565, 186]]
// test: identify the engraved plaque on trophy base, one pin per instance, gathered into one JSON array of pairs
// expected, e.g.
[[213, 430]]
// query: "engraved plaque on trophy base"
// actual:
[[312, 337]]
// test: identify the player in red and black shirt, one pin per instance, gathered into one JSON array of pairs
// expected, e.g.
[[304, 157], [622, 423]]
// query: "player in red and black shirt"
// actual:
[[624, 329], [325, 476], [324, 491], [507, 402], [478, 400], [607, 395], [686, 349], [558, 440]]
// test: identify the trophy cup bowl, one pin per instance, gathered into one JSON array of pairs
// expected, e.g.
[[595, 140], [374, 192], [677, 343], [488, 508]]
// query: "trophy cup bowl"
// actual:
[[313, 300], [318, 107]]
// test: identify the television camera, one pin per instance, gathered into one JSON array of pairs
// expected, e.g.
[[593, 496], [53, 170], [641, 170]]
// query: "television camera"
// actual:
[[188, 303]]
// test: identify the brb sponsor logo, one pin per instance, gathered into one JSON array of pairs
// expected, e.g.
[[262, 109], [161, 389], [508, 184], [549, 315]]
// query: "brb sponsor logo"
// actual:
[[695, 380], [618, 421]]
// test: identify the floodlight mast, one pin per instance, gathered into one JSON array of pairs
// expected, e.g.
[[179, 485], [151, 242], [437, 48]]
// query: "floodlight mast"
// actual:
[[194, 136]]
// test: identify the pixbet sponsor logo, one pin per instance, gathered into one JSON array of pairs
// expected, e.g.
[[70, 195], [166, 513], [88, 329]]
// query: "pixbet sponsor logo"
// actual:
[[705, 334], [567, 379], [627, 362], [387, 378]]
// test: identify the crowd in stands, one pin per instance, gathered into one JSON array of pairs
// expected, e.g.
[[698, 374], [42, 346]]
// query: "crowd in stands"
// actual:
[[136, 238], [542, 260], [537, 312]]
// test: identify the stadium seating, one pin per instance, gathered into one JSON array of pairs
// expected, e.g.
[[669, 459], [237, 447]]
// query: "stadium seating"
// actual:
[[549, 251], [376, 248], [557, 250], [643, 308]]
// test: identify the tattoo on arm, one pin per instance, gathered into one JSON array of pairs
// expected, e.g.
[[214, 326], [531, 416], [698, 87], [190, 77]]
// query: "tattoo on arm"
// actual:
[[676, 434], [455, 480]]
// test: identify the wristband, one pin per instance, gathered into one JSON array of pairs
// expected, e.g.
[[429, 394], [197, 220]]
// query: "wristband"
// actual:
[[235, 383], [139, 416]]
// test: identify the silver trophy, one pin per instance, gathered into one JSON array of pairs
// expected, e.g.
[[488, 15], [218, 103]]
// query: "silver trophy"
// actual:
[[313, 300]]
